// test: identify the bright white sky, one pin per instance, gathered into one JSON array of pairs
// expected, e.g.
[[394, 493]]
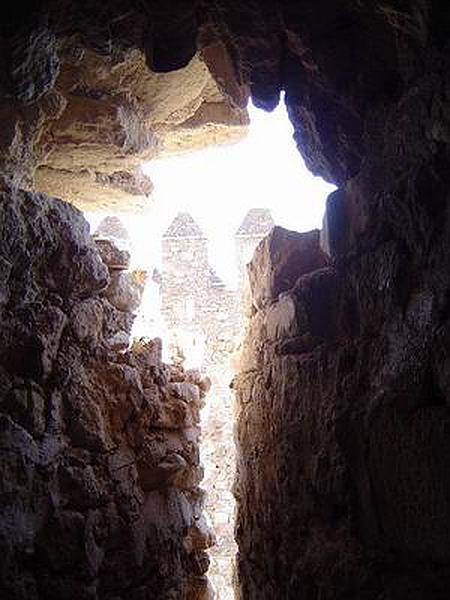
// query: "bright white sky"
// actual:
[[219, 184]]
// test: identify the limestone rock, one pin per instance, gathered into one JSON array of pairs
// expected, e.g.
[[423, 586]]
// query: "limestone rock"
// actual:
[[33, 66], [198, 588], [280, 319], [94, 491], [26, 405], [148, 352], [198, 537], [125, 290], [114, 257], [86, 320], [279, 261], [189, 392], [163, 474], [119, 341], [65, 266], [114, 114], [86, 424], [202, 381], [115, 320]]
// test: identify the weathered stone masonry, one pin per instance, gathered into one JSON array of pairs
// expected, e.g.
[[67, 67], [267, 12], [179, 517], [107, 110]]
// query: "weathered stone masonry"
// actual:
[[194, 300], [195, 304]]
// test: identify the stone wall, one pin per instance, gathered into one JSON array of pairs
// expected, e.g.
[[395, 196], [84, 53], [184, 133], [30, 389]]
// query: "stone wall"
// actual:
[[223, 325], [202, 317], [185, 281], [343, 483], [99, 458]]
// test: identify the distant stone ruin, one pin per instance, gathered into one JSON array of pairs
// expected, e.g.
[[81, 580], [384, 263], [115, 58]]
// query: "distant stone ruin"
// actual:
[[112, 227], [205, 323], [203, 317]]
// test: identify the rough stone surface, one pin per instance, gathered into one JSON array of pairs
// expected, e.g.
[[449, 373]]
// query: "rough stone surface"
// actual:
[[125, 289], [343, 485], [281, 258], [99, 459], [81, 115], [342, 406], [114, 257], [119, 114]]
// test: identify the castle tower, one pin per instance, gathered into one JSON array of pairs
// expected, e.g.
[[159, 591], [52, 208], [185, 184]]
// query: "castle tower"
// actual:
[[184, 278], [257, 223], [112, 227]]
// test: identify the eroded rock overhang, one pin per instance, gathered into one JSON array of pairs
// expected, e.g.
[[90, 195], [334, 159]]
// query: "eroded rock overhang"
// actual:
[[89, 92], [83, 108]]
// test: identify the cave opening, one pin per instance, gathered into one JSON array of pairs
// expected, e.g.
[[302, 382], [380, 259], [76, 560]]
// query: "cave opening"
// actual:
[[209, 210], [343, 387]]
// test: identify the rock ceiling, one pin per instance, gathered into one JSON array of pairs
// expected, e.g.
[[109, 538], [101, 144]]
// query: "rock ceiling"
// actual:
[[90, 90]]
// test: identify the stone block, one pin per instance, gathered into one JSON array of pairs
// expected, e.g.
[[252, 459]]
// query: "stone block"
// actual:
[[114, 257], [279, 260], [125, 291]]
